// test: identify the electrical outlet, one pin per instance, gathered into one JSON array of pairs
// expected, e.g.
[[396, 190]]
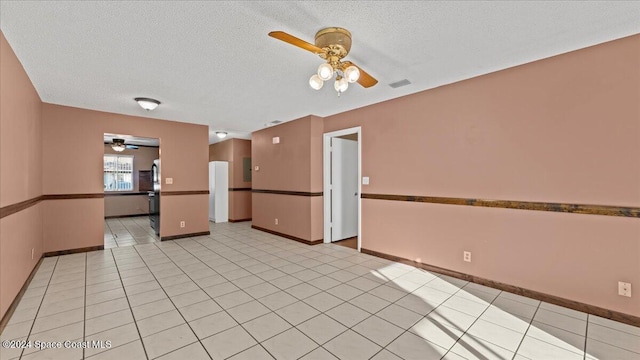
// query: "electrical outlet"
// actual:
[[257, 168], [276, 221], [182, 224], [624, 289], [365, 180], [466, 256], [168, 181]]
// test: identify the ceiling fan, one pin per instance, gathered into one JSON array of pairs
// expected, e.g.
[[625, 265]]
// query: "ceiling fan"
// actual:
[[331, 44], [118, 145]]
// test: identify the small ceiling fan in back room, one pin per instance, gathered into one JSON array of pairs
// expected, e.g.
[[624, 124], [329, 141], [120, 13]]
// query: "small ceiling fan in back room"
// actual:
[[118, 145], [331, 44]]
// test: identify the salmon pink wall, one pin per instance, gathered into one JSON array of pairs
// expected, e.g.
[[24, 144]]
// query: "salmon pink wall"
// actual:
[[193, 209], [295, 164], [241, 150], [234, 151], [20, 175], [73, 224], [19, 233], [126, 205], [222, 151], [21, 135], [183, 157], [242, 207], [241, 200], [564, 129]]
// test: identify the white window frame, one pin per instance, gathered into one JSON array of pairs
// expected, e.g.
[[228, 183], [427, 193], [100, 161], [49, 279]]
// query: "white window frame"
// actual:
[[118, 171]]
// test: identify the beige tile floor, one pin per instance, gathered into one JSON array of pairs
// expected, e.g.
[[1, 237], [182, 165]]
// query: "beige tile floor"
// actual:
[[245, 294], [128, 231]]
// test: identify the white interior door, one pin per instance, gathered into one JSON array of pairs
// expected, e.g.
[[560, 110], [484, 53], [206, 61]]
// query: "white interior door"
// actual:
[[344, 189]]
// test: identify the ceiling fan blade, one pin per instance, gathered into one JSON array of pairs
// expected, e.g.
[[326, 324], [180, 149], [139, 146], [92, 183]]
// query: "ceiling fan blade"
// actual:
[[365, 79], [281, 35], [132, 147]]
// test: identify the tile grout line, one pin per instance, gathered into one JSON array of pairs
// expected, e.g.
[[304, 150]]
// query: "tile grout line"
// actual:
[[41, 301], [424, 317], [115, 262], [478, 318], [84, 316], [515, 353], [586, 337]]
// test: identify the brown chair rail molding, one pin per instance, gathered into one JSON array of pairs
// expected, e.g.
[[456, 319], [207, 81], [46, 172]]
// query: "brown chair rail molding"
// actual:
[[285, 192], [138, 193], [14, 208], [520, 205], [239, 189], [186, 192], [72, 196], [23, 205]]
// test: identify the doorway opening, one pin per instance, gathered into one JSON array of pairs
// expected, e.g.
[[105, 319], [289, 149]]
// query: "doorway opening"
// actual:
[[342, 161], [131, 190]]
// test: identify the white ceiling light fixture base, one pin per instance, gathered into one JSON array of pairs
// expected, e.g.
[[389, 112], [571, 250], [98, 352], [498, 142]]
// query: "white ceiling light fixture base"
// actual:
[[147, 103], [221, 134]]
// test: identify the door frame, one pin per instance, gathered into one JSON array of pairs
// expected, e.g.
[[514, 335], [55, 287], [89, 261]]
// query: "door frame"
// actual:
[[326, 163]]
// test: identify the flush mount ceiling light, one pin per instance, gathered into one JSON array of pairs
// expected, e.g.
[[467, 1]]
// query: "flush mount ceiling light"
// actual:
[[331, 44], [221, 134], [147, 103]]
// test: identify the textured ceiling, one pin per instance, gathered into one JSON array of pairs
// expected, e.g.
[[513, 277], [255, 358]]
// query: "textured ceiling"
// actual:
[[212, 62]]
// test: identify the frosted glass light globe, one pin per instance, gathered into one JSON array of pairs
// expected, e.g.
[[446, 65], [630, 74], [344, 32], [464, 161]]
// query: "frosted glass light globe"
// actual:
[[315, 82], [325, 71], [352, 74], [341, 85]]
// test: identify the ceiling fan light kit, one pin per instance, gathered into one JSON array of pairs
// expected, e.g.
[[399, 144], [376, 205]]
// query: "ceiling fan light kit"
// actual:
[[147, 103], [331, 44], [118, 145], [221, 134]]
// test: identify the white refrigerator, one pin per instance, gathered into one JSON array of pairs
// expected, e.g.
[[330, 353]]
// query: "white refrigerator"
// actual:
[[218, 191]]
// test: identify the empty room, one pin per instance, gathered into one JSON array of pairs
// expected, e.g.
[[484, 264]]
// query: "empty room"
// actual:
[[320, 180]]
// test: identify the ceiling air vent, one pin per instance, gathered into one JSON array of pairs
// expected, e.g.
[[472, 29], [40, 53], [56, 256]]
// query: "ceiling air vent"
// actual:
[[397, 84]]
